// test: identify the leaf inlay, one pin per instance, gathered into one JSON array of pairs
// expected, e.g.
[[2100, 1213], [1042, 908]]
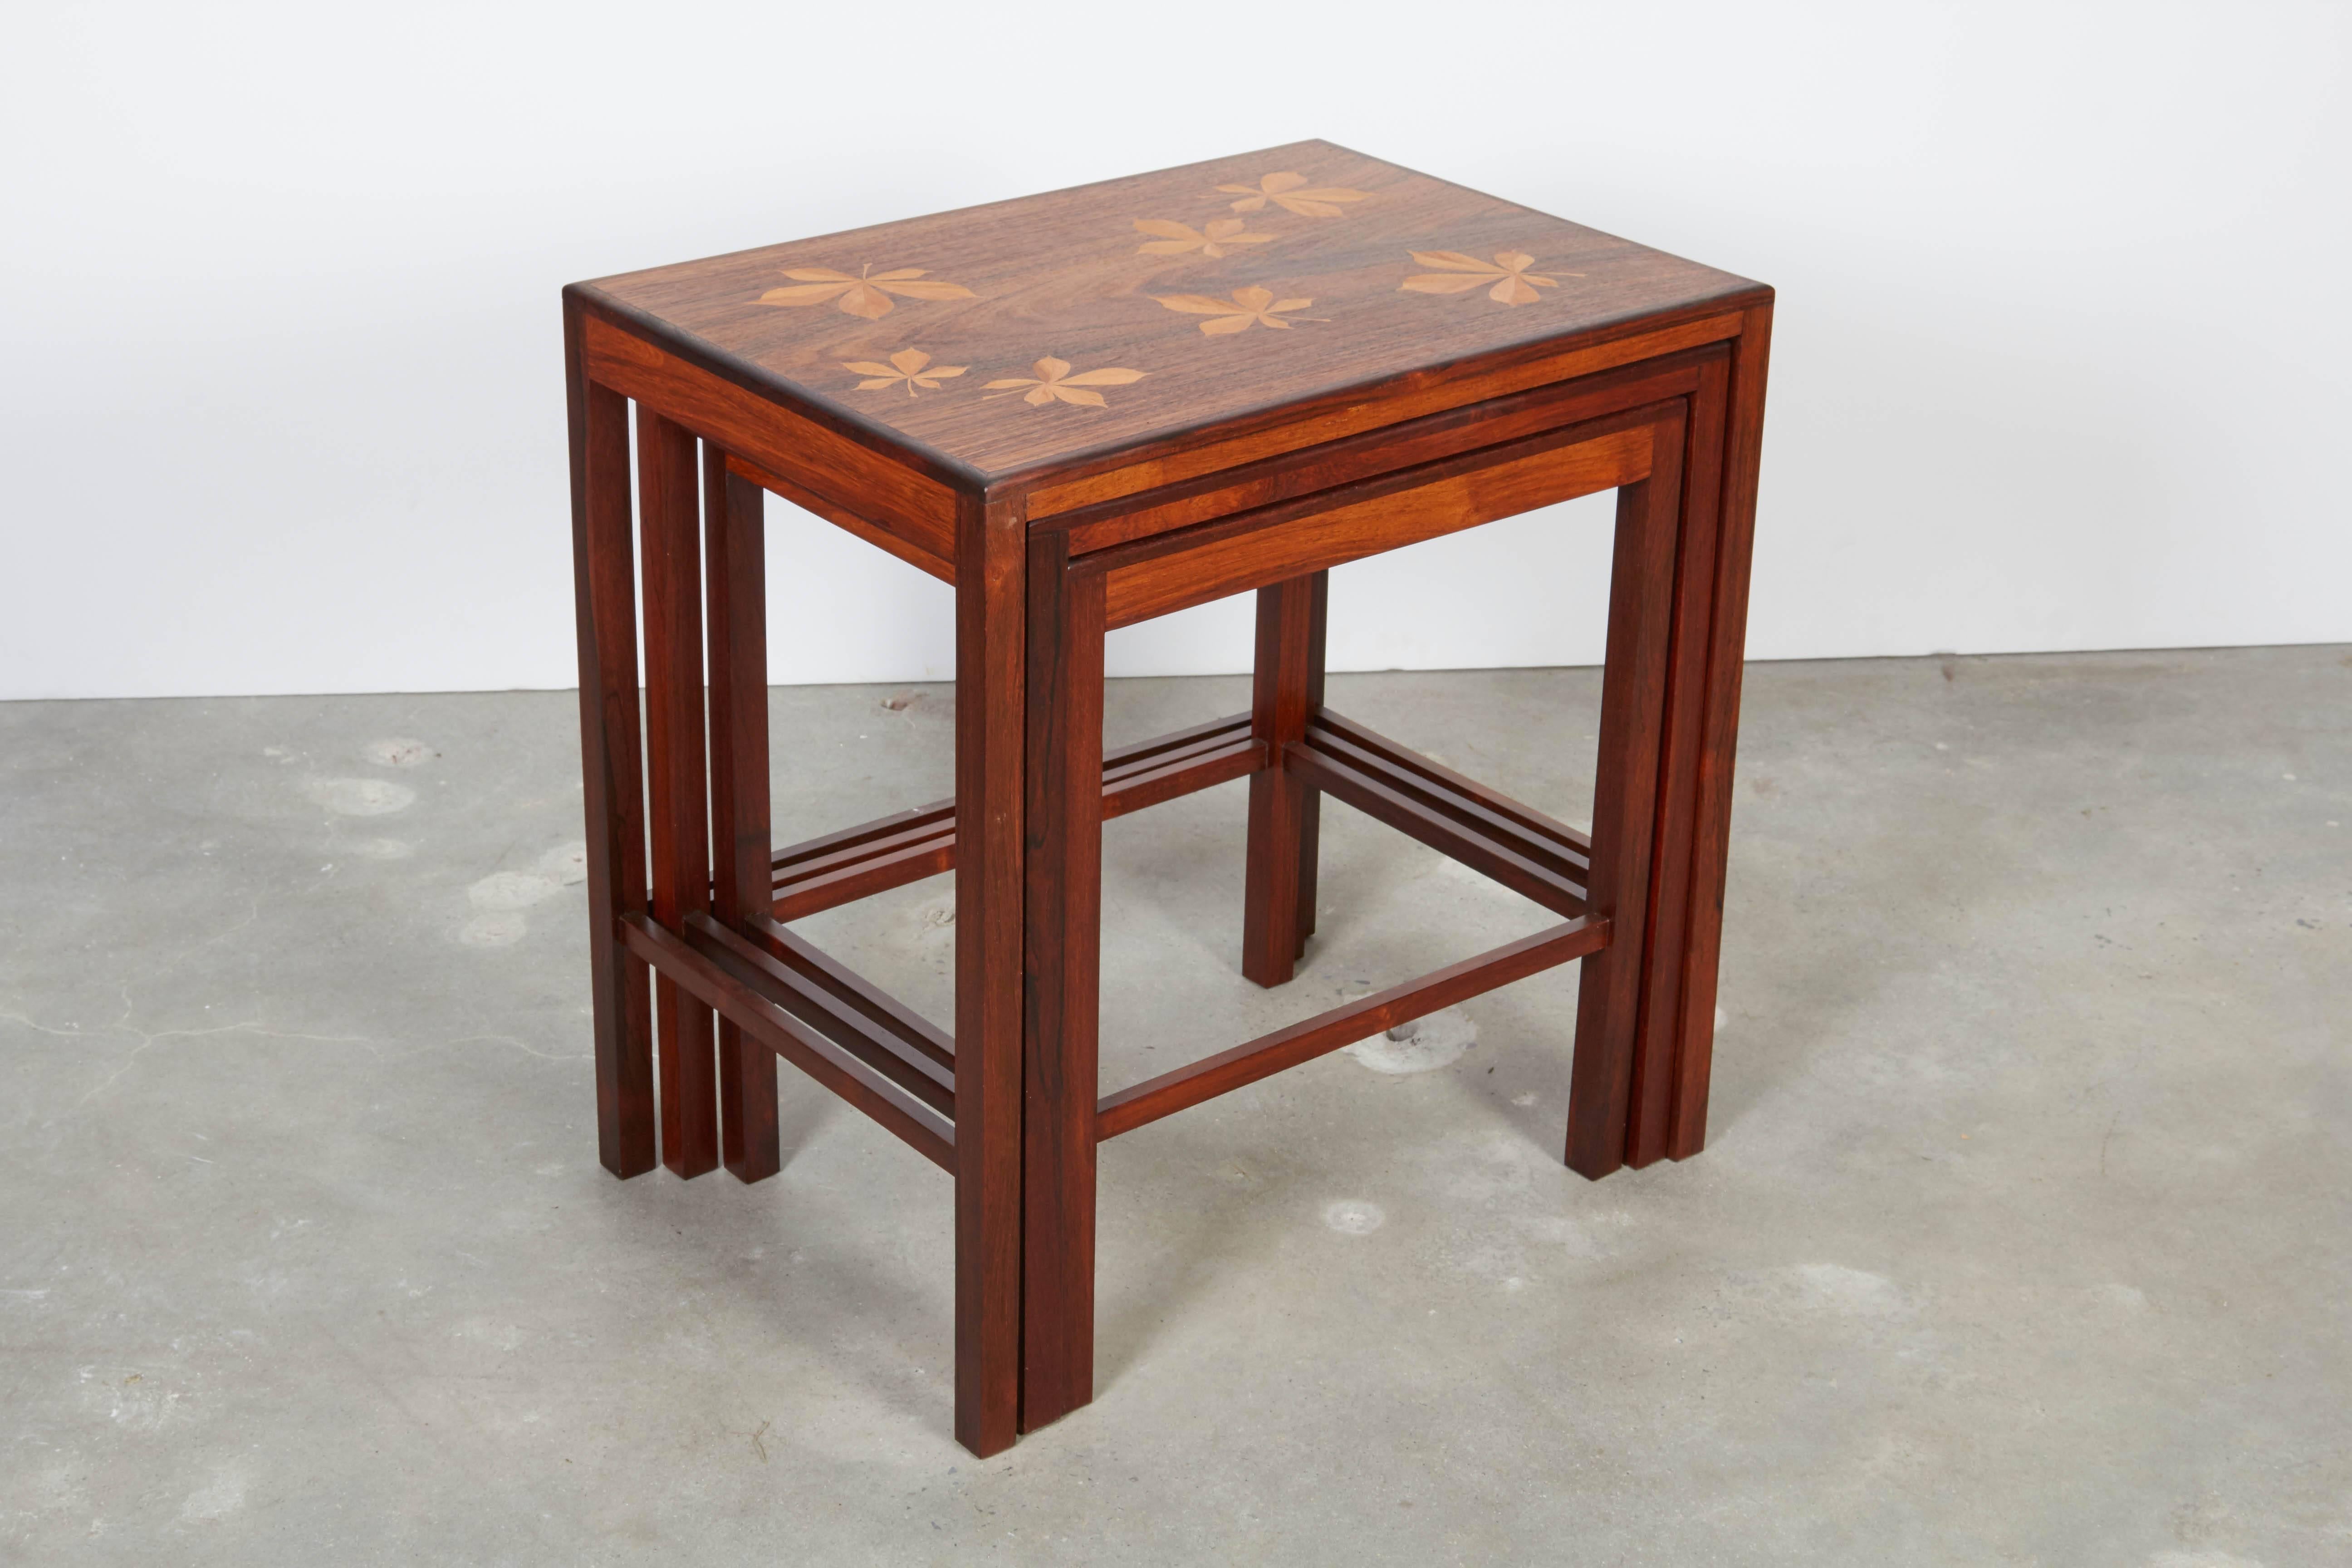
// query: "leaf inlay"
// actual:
[[912, 366], [1513, 284], [867, 294], [1248, 308], [1283, 190], [1176, 238], [1054, 383]]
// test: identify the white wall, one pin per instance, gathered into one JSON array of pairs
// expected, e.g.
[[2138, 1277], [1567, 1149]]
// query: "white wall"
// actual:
[[2060, 359]]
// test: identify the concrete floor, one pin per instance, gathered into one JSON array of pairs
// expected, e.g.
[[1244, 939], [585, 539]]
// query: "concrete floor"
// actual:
[[2022, 1236]]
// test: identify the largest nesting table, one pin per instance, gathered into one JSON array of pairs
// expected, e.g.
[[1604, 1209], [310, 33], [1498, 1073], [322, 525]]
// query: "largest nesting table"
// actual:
[[1084, 410]]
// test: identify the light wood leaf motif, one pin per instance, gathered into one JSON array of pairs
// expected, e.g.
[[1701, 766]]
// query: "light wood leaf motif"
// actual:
[[912, 366], [1054, 383], [1248, 308], [1283, 191], [862, 295], [1176, 238], [1513, 283]]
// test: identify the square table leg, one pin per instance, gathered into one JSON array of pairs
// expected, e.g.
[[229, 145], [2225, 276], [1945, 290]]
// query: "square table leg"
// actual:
[[1666, 950], [1625, 803], [1726, 642], [1061, 911], [670, 560], [734, 552], [1278, 896], [991, 560], [605, 583]]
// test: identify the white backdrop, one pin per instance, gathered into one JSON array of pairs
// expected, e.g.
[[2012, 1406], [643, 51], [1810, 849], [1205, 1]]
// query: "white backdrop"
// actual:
[[2060, 359]]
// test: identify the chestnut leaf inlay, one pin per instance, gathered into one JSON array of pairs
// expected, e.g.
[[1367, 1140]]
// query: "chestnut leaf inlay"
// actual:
[[1176, 238], [1283, 190], [912, 366], [1054, 383], [1248, 308], [864, 295], [1513, 283]]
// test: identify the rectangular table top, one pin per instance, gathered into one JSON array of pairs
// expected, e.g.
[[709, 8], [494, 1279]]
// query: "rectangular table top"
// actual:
[[1060, 330]]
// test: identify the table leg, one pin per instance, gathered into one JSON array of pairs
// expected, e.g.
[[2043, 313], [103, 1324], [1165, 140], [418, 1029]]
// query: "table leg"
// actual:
[[1061, 909], [1725, 653], [1310, 805], [734, 554], [1659, 1032], [670, 559], [605, 586], [1625, 805], [990, 731], [1277, 901]]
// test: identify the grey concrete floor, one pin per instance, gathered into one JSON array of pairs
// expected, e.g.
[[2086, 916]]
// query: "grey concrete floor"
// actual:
[[2022, 1236]]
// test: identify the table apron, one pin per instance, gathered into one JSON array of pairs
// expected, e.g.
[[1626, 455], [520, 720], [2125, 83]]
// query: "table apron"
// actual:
[[1291, 539]]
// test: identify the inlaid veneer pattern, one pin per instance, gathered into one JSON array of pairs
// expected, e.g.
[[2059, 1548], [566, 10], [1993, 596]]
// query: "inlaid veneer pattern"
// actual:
[[1321, 299]]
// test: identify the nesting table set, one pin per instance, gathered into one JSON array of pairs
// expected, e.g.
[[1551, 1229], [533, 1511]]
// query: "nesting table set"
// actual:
[[1085, 410]]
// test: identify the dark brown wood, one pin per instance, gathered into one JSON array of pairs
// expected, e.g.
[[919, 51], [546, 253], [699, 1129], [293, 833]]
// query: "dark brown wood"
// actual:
[[604, 585], [915, 546], [878, 1044], [909, 846], [1068, 275], [1188, 566], [734, 551], [1085, 409], [1337, 418], [851, 477], [913, 1031], [1521, 862], [1727, 643], [1150, 1101], [1283, 675], [1658, 1033], [715, 965], [1062, 912], [861, 870], [1448, 433], [992, 556], [670, 560], [1625, 805], [1310, 805], [1543, 838]]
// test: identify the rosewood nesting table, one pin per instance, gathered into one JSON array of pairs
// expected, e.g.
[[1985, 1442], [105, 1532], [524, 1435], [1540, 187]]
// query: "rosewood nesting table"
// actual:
[[1084, 410]]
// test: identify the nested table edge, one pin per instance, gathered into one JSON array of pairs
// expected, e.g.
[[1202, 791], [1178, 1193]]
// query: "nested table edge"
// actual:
[[1066, 473]]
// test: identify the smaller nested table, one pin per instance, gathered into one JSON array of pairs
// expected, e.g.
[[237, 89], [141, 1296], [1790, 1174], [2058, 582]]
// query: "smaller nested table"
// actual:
[[1084, 410]]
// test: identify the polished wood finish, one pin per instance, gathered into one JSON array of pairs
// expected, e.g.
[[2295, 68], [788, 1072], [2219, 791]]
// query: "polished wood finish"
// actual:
[[806, 451], [992, 731], [1658, 1031], [1085, 409], [604, 571], [1725, 637], [1624, 807], [913, 1033], [1546, 871], [724, 972], [1244, 1064], [1310, 803], [1384, 450], [734, 552], [1272, 916], [1178, 570], [907, 846], [670, 562], [915, 547], [1065, 275], [1062, 911]]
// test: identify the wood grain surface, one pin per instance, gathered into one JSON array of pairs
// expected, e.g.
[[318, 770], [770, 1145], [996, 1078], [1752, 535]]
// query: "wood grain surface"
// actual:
[[1128, 320]]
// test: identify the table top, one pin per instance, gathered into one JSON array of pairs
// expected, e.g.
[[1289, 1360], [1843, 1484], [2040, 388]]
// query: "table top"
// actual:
[[1058, 330]]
